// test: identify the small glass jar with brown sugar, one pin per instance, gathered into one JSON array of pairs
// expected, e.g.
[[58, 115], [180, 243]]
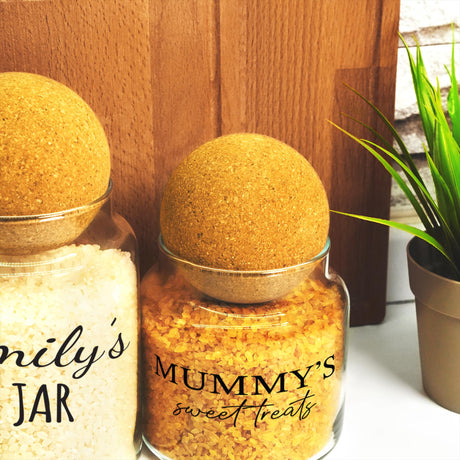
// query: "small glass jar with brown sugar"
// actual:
[[69, 327], [243, 364]]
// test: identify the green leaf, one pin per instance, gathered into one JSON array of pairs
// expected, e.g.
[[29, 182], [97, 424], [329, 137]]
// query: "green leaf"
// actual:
[[446, 156], [450, 218], [453, 98], [393, 132], [439, 215], [424, 92], [413, 175], [428, 225], [419, 188], [406, 228]]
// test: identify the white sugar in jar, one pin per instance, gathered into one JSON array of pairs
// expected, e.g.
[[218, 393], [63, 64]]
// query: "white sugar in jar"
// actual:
[[69, 337]]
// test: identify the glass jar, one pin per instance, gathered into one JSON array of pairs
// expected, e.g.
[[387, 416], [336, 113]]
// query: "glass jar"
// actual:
[[258, 375], [69, 328]]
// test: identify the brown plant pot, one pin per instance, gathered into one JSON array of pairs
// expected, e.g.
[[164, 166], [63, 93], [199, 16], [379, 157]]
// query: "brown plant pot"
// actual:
[[437, 300]]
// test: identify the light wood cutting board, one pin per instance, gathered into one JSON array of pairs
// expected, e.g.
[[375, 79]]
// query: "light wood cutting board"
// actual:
[[167, 75]]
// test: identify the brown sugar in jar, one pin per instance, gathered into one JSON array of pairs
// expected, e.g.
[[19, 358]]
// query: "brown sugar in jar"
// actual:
[[243, 381]]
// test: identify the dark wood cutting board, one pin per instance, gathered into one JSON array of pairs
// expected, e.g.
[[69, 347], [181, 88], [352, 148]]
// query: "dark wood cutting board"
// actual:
[[167, 75]]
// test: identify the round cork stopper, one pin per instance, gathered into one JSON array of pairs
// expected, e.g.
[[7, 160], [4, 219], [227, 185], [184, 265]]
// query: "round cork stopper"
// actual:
[[245, 202], [54, 154]]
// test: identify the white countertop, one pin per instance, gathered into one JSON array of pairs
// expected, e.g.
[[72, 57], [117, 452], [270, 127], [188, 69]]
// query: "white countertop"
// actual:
[[387, 414]]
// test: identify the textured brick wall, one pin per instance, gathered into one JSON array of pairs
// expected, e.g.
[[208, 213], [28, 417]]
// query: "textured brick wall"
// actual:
[[429, 21]]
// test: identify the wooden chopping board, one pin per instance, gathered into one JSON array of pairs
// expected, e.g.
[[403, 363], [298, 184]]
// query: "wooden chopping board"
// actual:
[[165, 76]]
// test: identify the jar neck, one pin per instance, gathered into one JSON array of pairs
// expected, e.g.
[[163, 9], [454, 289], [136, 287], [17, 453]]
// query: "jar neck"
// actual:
[[240, 286], [37, 233]]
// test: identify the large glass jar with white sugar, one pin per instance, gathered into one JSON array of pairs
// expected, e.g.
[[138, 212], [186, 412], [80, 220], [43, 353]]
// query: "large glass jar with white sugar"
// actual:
[[69, 327]]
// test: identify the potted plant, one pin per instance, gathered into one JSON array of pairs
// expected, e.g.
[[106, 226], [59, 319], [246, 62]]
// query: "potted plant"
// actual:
[[434, 252]]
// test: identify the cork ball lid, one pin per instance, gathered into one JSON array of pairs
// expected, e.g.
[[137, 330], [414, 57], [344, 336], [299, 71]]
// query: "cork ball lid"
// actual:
[[54, 154], [245, 202]]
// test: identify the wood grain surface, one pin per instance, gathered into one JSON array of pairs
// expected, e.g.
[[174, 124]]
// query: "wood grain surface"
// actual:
[[165, 76]]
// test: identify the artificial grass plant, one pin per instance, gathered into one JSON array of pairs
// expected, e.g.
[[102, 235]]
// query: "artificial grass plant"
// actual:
[[439, 214]]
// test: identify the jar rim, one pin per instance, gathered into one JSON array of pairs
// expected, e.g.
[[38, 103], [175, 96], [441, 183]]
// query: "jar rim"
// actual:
[[98, 202], [272, 271]]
